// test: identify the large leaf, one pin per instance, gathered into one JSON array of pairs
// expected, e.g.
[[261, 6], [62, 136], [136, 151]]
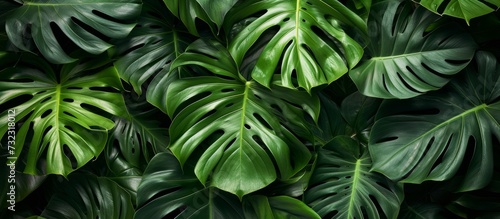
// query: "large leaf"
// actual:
[[247, 129], [342, 185], [88, 196], [38, 19], [406, 56], [278, 207], [62, 115], [308, 37], [169, 191], [148, 51], [241, 126], [431, 136], [465, 9]]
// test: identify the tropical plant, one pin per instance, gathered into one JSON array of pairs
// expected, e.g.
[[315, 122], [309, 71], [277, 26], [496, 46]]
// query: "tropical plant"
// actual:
[[249, 109]]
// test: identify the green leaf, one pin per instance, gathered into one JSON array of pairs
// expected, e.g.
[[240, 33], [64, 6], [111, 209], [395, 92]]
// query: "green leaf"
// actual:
[[342, 185], [167, 191], [240, 126], [405, 58], [136, 137], [431, 136], [62, 117], [190, 10], [464, 9], [330, 122], [308, 40], [88, 196], [217, 10], [147, 52], [37, 20], [359, 113], [246, 127], [278, 207]]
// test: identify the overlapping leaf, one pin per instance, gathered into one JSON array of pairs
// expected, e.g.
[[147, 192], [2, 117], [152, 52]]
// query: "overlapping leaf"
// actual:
[[242, 127], [88, 196], [307, 36], [406, 56], [431, 136], [169, 191], [277, 207], [37, 19], [62, 116], [342, 185], [465, 9], [149, 50], [188, 11]]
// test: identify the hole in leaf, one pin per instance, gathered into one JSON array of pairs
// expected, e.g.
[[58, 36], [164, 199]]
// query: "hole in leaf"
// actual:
[[69, 128], [209, 113], [331, 214], [384, 83], [426, 150], [377, 204], [262, 121], [436, 72], [386, 139], [70, 156], [107, 17], [15, 102], [46, 99], [247, 126], [408, 86], [229, 105], [45, 114], [439, 160], [227, 90], [89, 29], [456, 62], [96, 110], [443, 6], [68, 100], [277, 108], [286, 19], [69, 114], [416, 75]]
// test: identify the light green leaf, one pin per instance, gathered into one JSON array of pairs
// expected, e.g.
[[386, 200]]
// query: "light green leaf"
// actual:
[[277, 207], [308, 40], [240, 126], [406, 59], [465, 9], [88, 196], [217, 10], [169, 191], [36, 19], [342, 185], [62, 116], [427, 138]]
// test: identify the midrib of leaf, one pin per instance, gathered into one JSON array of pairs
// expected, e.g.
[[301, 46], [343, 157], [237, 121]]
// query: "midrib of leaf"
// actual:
[[473, 110], [242, 121], [355, 180], [297, 26], [58, 104], [379, 58]]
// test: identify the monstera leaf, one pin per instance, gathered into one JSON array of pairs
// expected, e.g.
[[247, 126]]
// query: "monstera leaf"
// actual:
[[465, 9], [62, 116], [136, 137], [88, 196], [259, 206], [430, 137], [169, 191], [148, 51], [242, 127], [308, 37], [190, 10], [407, 59], [342, 185], [39, 20]]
